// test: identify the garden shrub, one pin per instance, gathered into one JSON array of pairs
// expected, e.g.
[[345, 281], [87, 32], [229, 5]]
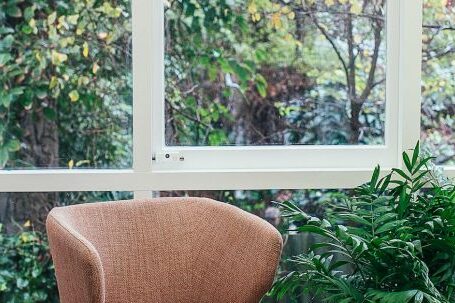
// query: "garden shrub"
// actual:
[[26, 269]]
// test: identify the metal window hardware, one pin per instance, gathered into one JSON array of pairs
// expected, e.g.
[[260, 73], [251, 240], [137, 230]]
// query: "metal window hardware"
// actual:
[[168, 157]]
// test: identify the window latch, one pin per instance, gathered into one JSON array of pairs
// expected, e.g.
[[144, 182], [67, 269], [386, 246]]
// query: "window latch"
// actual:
[[168, 157]]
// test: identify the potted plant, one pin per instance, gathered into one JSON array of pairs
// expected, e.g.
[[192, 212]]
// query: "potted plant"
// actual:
[[392, 241]]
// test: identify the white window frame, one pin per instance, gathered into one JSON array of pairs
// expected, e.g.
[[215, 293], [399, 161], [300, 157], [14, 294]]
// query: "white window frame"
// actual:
[[222, 168], [295, 157]]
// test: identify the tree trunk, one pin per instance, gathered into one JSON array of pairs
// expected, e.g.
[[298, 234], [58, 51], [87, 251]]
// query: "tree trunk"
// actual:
[[355, 122], [40, 136]]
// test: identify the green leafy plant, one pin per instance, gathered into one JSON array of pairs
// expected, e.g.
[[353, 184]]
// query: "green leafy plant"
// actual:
[[393, 241], [26, 270]]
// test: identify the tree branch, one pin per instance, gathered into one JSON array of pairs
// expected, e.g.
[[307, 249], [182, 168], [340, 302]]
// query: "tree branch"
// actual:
[[439, 27], [329, 39], [374, 61]]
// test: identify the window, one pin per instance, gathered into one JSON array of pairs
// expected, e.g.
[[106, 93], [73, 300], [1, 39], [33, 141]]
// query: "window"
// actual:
[[27, 270], [66, 78], [438, 91], [274, 73], [287, 86], [176, 95]]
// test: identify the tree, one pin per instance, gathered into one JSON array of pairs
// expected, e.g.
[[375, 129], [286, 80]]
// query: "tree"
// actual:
[[438, 109], [66, 89]]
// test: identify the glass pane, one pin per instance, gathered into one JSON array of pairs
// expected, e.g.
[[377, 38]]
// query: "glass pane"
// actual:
[[26, 269], [438, 109], [21, 207], [66, 84], [262, 202], [275, 72], [25, 256]]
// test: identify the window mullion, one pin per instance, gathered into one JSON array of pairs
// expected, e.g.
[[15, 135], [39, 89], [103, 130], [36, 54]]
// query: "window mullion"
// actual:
[[143, 77], [410, 73]]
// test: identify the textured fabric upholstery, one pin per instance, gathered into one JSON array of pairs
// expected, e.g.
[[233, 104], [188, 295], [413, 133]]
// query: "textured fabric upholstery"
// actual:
[[168, 250]]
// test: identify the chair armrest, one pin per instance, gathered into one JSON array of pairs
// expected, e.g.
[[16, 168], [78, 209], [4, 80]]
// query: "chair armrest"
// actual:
[[77, 264]]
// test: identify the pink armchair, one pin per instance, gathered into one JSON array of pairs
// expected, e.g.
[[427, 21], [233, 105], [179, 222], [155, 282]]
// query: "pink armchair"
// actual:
[[173, 250]]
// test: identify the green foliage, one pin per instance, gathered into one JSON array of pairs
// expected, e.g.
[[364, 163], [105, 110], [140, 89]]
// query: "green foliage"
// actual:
[[26, 270], [69, 61], [272, 71], [438, 75], [391, 242]]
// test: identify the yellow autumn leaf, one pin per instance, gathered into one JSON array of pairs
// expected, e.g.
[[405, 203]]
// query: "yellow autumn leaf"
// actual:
[[95, 68], [356, 8], [70, 164], [109, 38], [24, 238], [58, 58], [74, 96], [117, 12], [73, 19], [276, 20], [291, 15], [83, 80], [51, 18], [32, 23], [38, 57], [85, 50], [82, 162], [329, 2], [252, 8], [62, 23], [27, 223], [256, 17], [53, 83]]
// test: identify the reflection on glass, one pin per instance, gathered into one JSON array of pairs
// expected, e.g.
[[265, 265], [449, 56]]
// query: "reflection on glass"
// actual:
[[275, 72], [438, 109]]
